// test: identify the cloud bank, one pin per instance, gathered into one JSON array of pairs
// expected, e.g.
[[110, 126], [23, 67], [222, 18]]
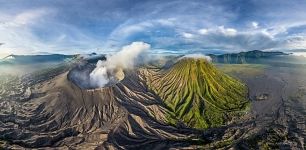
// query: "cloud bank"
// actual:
[[175, 25], [197, 56]]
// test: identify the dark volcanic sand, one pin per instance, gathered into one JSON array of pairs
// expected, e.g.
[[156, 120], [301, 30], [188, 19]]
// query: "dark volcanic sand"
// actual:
[[284, 110]]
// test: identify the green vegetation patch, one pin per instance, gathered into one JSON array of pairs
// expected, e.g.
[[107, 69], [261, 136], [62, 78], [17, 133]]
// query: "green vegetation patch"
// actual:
[[198, 94], [242, 69]]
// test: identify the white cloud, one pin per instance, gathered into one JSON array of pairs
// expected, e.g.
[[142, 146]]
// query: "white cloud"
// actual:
[[232, 39], [128, 28], [180, 25], [121, 34], [219, 37], [24, 18], [166, 22], [255, 24], [31, 16], [296, 42], [16, 34], [131, 29], [187, 35], [203, 31], [197, 56], [227, 31], [219, 30]]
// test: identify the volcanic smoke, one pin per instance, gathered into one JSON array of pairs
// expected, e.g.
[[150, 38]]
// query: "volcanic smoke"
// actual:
[[124, 59]]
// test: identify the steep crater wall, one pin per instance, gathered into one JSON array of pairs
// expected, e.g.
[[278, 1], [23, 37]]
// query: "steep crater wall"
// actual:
[[80, 76]]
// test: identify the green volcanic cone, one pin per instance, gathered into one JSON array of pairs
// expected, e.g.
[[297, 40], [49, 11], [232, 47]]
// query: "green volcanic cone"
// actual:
[[198, 94]]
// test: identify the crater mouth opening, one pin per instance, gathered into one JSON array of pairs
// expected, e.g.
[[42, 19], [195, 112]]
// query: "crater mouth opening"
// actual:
[[80, 76]]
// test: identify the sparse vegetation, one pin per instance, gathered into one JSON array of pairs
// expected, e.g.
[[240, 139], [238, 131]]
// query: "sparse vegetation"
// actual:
[[270, 139]]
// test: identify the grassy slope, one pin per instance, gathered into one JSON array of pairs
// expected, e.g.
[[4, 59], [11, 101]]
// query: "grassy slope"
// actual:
[[242, 69], [198, 94]]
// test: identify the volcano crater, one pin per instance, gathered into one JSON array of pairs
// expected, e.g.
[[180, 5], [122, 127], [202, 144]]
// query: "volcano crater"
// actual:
[[80, 76]]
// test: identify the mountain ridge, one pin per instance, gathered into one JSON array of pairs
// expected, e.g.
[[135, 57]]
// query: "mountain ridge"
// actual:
[[244, 57]]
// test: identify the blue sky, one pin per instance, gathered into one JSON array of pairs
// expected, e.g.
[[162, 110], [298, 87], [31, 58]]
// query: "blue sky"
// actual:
[[180, 26]]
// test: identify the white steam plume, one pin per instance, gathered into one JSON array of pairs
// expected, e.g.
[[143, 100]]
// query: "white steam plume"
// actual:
[[198, 56], [98, 77], [124, 59], [126, 56]]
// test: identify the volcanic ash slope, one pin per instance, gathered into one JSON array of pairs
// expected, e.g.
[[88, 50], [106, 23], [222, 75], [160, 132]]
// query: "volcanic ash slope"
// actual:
[[149, 108]]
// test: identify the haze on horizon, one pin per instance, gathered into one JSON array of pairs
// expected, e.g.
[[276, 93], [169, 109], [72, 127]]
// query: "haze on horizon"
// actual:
[[174, 26]]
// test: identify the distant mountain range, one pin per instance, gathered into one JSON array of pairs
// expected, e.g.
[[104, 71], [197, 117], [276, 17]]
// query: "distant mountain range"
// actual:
[[243, 57], [27, 59], [30, 59], [233, 58]]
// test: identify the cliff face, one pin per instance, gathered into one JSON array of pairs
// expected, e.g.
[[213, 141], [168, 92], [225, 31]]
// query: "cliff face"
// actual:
[[243, 57]]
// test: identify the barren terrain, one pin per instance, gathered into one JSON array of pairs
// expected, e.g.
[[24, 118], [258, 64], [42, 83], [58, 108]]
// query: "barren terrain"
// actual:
[[51, 111]]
